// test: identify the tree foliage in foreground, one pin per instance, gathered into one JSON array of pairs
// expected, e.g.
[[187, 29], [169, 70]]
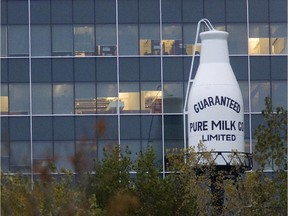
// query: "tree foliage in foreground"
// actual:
[[111, 189]]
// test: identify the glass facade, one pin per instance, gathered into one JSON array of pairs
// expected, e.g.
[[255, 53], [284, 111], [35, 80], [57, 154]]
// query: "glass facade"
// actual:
[[81, 75]]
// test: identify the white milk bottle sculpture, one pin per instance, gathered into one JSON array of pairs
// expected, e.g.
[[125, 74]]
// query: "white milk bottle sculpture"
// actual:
[[215, 104]]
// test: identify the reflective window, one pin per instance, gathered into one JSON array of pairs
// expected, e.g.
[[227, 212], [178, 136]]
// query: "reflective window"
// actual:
[[110, 133], [41, 70], [212, 10], [128, 11], [172, 39], [83, 11], [18, 40], [63, 122], [173, 127], [239, 65], [130, 127], [62, 37], [279, 67], [128, 39], [84, 69], [259, 90], [106, 69], [237, 40], [3, 14], [236, 11], [279, 93], [278, 10], [173, 97], [171, 10], [244, 87], [42, 154], [18, 99], [3, 40], [107, 97], [4, 70], [84, 40], [19, 128], [258, 10], [63, 98], [87, 151], [18, 70], [172, 69], [105, 11], [129, 97], [41, 98], [106, 44], [151, 97], [17, 12], [85, 129], [129, 69], [150, 69], [62, 69], [278, 38], [63, 152], [4, 99], [42, 128], [149, 11], [61, 11], [189, 36], [192, 10], [151, 127], [260, 68], [258, 39], [20, 157], [41, 40], [40, 11], [85, 98], [149, 39]]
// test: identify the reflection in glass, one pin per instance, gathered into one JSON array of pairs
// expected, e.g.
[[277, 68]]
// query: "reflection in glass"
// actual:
[[237, 40], [42, 154], [173, 97], [279, 93], [18, 40], [172, 39], [107, 98], [244, 87], [189, 33], [259, 90], [41, 98], [3, 40], [258, 39], [63, 102], [128, 39], [62, 37], [106, 40], [84, 40], [63, 152], [278, 40], [151, 97], [149, 39], [129, 97], [20, 156], [41, 40], [19, 99], [85, 98]]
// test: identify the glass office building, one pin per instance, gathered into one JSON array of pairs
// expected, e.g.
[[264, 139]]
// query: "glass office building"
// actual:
[[81, 75]]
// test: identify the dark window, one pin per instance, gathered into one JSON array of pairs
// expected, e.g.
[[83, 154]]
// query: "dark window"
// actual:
[[173, 69], [128, 39], [86, 128], [42, 98], [83, 11], [62, 40], [106, 69], [214, 10], [130, 127], [110, 132], [62, 70], [149, 11], [19, 128], [41, 40], [260, 68], [18, 40], [41, 70], [192, 10], [4, 71], [171, 11], [278, 10], [236, 11], [187, 67], [17, 12], [85, 69], [19, 98], [129, 69], [105, 11], [258, 10], [42, 128], [240, 67], [63, 98], [61, 11], [40, 11], [63, 128], [173, 127], [237, 40], [151, 127], [84, 40], [128, 11], [18, 70], [150, 69], [279, 67], [4, 12]]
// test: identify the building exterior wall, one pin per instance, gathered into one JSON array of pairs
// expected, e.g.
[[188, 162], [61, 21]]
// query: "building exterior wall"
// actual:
[[81, 75]]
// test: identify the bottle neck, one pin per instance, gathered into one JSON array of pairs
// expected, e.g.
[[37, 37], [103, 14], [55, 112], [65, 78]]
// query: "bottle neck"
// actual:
[[214, 47]]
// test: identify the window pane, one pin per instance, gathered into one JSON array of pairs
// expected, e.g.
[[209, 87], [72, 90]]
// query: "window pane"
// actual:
[[41, 40], [237, 40], [40, 11], [42, 128], [63, 122], [151, 127], [260, 68], [279, 67], [279, 94], [17, 12], [84, 69], [128, 11], [244, 87], [42, 153], [151, 97], [129, 97], [258, 10], [149, 11], [150, 69], [236, 11], [173, 126], [212, 10], [149, 39], [3, 40], [62, 69], [106, 97], [172, 69], [173, 97], [61, 11], [19, 128], [83, 11], [105, 11], [278, 11], [172, 39], [106, 40], [259, 90], [18, 40], [258, 39], [4, 99], [130, 127], [20, 157], [62, 37], [63, 100], [19, 99], [63, 152], [239, 65], [41, 98], [192, 10], [106, 69], [18, 70], [129, 69], [41, 70], [85, 128], [84, 40], [85, 98], [171, 10], [128, 40], [278, 40], [189, 34]]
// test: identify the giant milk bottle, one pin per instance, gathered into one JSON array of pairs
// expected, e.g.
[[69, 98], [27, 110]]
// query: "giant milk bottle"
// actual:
[[215, 105]]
